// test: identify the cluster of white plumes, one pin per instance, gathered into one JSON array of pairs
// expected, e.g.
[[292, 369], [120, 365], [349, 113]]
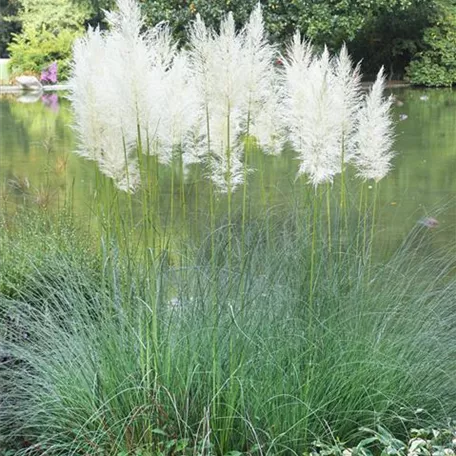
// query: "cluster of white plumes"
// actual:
[[135, 92]]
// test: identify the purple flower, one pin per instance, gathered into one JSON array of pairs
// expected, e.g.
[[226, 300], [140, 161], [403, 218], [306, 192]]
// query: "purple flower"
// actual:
[[49, 74]]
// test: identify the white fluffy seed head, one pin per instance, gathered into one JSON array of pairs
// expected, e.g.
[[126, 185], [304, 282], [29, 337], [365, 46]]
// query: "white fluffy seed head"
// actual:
[[89, 121], [126, 20], [266, 126], [179, 98], [262, 99], [118, 164], [348, 98], [216, 62], [132, 90], [375, 136], [311, 117]]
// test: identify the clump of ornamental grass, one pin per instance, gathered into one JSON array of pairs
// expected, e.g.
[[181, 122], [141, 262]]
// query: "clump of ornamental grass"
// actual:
[[216, 105], [264, 335], [254, 368]]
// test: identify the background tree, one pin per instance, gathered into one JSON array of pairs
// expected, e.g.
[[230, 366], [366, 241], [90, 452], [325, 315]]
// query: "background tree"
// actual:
[[435, 64], [418, 34], [9, 23], [381, 32], [49, 28]]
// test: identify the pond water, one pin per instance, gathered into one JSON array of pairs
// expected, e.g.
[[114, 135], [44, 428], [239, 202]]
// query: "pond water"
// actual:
[[38, 166]]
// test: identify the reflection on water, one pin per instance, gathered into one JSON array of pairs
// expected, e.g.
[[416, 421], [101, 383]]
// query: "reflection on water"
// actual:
[[51, 101], [38, 166]]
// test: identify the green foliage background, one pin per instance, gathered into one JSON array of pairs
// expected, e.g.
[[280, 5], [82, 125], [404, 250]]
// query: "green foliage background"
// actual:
[[436, 64], [48, 30], [380, 32], [9, 23], [412, 38], [33, 50]]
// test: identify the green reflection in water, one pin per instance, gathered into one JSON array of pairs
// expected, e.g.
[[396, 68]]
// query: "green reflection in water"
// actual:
[[37, 167]]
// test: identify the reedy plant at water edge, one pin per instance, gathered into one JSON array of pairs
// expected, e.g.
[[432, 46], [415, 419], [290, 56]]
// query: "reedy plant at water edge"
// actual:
[[211, 106], [210, 103], [374, 140]]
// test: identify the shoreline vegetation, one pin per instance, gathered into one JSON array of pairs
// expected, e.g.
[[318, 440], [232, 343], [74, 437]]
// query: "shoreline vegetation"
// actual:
[[413, 39], [64, 87], [284, 331]]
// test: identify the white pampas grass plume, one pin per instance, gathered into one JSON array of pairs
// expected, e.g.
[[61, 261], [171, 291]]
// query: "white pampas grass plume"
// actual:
[[122, 169], [216, 63], [84, 83], [111, 73], [348, 99], [133, 77], [310, 114], [125, 88], [262, 99], [201, 56], [197, 142], [300, 54], [166, 67], [230, 80], [375, 137], [179, 107], [100, 139], [266, 124]]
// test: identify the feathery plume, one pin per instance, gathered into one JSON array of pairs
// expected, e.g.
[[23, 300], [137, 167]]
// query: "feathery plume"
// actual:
[[314, 127], [132, 81], [113, 163], [375, 137], [103, 91], [348, 98], [89, 119], [262, 100], [266, 123], [179, 98], [216, 63], [197, 141]]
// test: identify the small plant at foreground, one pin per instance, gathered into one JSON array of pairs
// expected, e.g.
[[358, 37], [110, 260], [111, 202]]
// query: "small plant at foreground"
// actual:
[[421, 442]]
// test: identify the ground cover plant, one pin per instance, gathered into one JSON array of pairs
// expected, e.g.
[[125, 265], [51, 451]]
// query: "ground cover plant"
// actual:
[[269, 332]]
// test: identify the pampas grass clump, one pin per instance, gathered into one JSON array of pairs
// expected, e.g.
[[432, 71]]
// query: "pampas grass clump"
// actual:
[[258, 336]]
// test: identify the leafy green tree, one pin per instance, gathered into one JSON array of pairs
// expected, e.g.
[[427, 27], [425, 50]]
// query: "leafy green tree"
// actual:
[[49, 28], [381, 32], [435, 65], [393, 36], [9, 23], [53, 15], [33, 50], [97, 9]]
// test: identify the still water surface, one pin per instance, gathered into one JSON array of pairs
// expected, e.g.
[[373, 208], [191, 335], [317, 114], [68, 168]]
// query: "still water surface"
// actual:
[[38, 166]]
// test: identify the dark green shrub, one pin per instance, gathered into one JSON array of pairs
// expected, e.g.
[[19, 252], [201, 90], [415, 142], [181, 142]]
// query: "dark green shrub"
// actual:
[[8, 24], [33, 50], [380, 32], [436, 65]]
